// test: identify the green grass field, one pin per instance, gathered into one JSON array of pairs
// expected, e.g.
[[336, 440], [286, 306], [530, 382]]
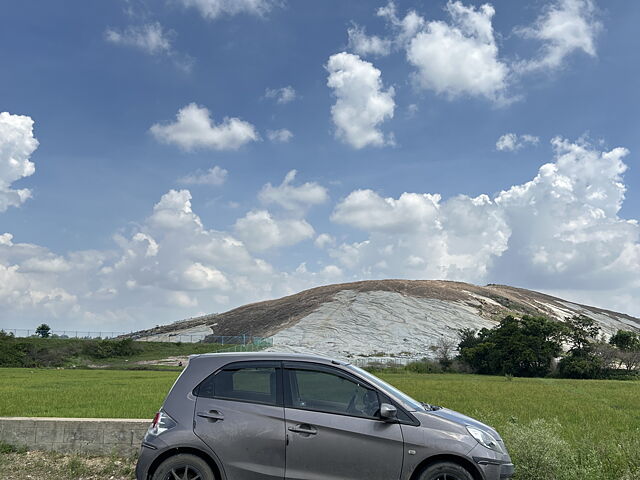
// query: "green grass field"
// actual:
[[557, 429]]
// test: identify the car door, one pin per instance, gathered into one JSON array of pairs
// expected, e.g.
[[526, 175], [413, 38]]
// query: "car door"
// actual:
[[239, 414], [333, 427]]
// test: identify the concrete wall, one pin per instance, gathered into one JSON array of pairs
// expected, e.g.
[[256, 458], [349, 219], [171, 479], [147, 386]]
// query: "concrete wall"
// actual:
[[98, 436]]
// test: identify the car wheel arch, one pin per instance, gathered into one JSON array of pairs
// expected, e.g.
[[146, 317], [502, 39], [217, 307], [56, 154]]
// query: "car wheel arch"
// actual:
[[207, 457], [471, 467]]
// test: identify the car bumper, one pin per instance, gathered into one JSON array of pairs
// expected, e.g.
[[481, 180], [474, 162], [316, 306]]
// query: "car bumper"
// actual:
[[148, 454], [495, 469]]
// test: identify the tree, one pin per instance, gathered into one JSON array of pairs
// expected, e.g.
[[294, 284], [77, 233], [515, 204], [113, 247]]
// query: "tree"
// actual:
[[444, 351], [581, 333], [524, 347], [628, 345], [43, 331], [626, 340], [583, 359]]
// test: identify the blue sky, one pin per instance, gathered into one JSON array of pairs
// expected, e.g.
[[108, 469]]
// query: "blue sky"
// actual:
[[366, 102]]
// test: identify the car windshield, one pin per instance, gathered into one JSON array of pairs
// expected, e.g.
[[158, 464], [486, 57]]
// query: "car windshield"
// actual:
[[414, 404]]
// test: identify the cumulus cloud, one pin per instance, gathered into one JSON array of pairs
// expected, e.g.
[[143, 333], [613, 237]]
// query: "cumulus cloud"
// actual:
[[418, 234], [361, 103], [510, 142], [212, 9], [364, 45], [194, 129], [281, 95], [291, 197], [260, 231], [214, 176], [279, 136], [561, 232], [17, 143], [566, 26], [151, 38], [461, 57], [324, 240], [405, 28], [560, 229]]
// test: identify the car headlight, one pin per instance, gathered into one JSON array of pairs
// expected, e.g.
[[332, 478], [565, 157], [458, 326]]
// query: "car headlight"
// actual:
[[485, 439]]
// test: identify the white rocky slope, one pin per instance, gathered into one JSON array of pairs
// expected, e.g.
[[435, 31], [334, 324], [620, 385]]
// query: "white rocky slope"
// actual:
[[365, 324]]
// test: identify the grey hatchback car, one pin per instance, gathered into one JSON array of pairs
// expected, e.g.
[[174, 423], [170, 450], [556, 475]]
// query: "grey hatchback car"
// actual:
[[266, 416]]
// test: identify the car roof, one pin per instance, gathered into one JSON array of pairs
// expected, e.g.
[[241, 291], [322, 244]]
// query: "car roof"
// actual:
[[300, 357]]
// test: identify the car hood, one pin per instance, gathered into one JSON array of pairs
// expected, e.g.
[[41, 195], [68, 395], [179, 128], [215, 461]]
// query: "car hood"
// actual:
[[463, 420]]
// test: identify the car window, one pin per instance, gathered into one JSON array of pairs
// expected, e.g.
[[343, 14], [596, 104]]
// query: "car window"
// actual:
[[414, 404], [254, 384], [326, 392]]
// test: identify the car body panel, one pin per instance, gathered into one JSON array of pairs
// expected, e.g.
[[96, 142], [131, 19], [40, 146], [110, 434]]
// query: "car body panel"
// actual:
[[353, 444], [250, 440], [342, 447]]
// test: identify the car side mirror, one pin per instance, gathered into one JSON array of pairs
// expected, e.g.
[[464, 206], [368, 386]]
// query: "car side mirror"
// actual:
[[388, 412]]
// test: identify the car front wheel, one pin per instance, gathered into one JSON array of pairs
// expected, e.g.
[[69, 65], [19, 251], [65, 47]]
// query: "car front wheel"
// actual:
[[184, 467], [446, 471]]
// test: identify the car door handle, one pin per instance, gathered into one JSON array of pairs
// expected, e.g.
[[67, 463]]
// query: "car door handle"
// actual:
[[211, 415], [304, 428]]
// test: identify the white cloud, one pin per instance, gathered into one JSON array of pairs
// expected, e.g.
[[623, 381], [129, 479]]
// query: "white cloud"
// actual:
[[17, 143], [361, 103], [560, 232], [565, 27], [324, 240], [151, 38], [260, 231], [560, 229], [212, 9], [405, 28], [214, 176], [279, 136], [364, 45], [510, 142], [291, 197], [418, 236], [194, 129], [460, 58], [200, 277], [366, 210], [281, 95]]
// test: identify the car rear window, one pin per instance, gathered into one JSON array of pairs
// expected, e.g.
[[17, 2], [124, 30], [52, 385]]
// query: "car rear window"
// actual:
[[253, 384]]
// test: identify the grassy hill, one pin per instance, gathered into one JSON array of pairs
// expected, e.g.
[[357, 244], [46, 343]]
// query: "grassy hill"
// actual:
[[80, 353]]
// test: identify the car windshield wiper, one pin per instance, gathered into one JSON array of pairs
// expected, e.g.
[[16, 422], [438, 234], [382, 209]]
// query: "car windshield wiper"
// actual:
[[429, 407]]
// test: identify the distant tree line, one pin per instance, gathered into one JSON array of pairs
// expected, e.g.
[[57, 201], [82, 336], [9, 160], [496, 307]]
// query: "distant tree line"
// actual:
[[537, 347], [48, 351]]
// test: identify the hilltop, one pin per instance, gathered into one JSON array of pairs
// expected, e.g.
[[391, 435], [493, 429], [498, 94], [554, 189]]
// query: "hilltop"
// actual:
[[390, 317]]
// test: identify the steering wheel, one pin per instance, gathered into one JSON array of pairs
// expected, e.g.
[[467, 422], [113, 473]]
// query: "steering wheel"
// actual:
[[351, 408]]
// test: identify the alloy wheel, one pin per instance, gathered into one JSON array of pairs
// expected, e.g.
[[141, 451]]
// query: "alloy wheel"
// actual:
[[183, 472]]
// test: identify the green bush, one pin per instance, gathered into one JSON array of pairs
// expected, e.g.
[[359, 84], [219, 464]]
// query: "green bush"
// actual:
[[538, 450], [423, 366], [110, 348], [580, 366], [52, 352], [522, 347], [8, 448]]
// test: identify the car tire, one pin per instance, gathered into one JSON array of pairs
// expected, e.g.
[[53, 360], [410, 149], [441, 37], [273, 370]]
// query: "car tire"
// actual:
[[446, 471], [195, 467]]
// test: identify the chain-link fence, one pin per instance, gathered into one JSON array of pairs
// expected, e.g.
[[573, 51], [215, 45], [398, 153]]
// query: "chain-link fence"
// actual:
[[382, 362], [221, 339], [24, 332], [231, 340]]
